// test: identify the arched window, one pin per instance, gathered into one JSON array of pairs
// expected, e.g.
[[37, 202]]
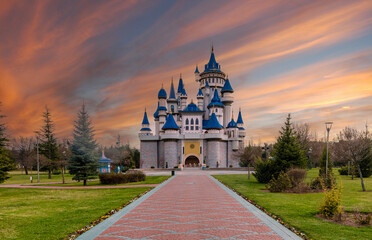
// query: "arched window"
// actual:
[[192, 121], [172, 108], [192, 127], [232, 133], [187, 121], [197, 121]]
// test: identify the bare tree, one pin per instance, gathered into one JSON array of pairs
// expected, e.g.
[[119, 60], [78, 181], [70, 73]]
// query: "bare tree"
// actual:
[[304, 135], [353, 146], [23, 149], [247, 156]]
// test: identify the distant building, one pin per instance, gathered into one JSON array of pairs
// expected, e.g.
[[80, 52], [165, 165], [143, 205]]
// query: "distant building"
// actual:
[[193, 134], [104, 164]]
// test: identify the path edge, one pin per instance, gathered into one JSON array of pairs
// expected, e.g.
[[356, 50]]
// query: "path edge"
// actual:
[[282, 231], [102, 226]]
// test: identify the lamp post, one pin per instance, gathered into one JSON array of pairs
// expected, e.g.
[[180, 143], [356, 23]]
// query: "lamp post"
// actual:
[[37, 158], [328, 127]]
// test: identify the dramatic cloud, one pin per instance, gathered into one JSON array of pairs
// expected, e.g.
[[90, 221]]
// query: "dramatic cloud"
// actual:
[[309, 58]]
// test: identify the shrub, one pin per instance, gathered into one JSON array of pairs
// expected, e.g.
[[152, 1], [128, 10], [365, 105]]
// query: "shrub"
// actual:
[[343, 170], [297, 176], [361, 219], [316, 183], [281, 184], [118, 178], [331, 204], [264, 170]]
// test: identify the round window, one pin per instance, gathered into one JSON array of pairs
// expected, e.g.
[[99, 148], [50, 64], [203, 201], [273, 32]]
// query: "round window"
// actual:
[[192, 146]]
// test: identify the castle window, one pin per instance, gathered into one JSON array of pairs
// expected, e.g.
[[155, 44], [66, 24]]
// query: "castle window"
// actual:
[[172, 108], [192, 121], [187, 121], [200, 150], [197, 121], [196, 127], [212, 80], [192, 128], [187, 128]]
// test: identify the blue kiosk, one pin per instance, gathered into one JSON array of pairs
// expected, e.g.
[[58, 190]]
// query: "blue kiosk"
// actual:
[[104, 164]]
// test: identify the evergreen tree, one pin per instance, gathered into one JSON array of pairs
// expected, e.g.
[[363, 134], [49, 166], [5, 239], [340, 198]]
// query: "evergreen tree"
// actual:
[[6, 162], [84, 158], [287, 150], [48, 143], [366, 160]]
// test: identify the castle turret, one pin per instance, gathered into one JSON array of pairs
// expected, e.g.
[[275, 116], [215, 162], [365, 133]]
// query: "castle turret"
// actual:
[[180, 86], [145, 130], [183, 98], [217, 105], [197, 74], [227, 100], [156, 119], [162, 96], [172, 101], [240, 124], [200, 98], [232, 131]]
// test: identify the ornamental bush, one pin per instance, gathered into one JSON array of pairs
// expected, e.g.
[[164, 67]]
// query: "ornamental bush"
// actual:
[[118, 178], [331, 204], [281, 184], [297, 176]]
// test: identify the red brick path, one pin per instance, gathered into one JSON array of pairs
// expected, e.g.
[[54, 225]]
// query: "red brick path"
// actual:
[[189, 207]]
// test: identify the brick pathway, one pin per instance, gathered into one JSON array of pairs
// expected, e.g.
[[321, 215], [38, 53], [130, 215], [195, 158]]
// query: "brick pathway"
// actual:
[[189, 207]]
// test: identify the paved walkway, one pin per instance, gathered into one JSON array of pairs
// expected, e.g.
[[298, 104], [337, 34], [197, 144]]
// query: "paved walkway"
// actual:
[[189, 207], [77, 187]]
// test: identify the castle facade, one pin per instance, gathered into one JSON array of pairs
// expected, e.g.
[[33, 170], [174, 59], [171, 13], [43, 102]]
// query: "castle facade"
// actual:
[[191, 134]]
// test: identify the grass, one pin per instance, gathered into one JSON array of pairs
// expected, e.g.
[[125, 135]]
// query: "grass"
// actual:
[[53, 214], [149, 180], [299, 210], [18, 177]]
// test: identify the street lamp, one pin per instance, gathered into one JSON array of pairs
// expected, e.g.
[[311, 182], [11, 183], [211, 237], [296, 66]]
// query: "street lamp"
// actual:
[[37, 158], [328, 127]]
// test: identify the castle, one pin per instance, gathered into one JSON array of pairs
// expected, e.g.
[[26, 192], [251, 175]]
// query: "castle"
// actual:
[[194, 134]]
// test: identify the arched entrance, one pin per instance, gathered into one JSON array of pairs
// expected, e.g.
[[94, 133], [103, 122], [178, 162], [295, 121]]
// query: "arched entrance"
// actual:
[[192, 161]]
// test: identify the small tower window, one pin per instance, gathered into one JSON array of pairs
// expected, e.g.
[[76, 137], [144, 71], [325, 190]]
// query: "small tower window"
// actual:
[[187, 128], [192, 121], [187, 121], [172, 108], [197, 121], [196, 127]]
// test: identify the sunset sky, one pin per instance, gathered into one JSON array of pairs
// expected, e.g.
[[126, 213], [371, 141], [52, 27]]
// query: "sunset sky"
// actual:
[[312, 59]]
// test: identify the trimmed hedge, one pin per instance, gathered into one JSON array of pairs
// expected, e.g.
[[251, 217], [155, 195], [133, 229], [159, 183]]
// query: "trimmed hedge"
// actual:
[[118, 178]]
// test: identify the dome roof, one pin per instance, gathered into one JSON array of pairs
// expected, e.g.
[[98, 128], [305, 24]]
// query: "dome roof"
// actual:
[[162, 93], [232, 124], [192, 108], [156, 114], [216, 100]]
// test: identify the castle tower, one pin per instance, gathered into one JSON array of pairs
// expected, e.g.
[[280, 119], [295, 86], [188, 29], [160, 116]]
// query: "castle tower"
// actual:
[[145, 130], [240, 124], [162, 96], [172, 101], [156, 119], [200, 98], [183, 98], [171, 133], [232, 131], [217, 105], [227, 100], [197, 74]]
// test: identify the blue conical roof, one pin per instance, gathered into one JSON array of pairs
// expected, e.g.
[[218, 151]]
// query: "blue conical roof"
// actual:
[[162, 93], [183, 92], [156, 114], [216, 100], [212, 64], [170, 123], [207, 83], [200, 93], [145, 119], [213, 123], [180, 85], [196, 69], [232, 124], [227, 87], [172, 95], [240, 119]]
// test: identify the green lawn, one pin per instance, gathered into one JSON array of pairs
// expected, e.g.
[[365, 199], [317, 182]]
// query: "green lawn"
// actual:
[[53, 214], [149, 180], [18, 177], [298, 210]]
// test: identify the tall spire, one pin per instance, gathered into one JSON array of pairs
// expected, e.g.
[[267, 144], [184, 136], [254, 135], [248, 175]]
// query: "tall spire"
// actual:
[[171, 92], [180, 85], [240, 119], [145, 119]]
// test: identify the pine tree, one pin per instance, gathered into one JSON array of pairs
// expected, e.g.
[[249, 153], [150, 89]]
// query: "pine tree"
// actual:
[[84, 158], [287, 151], [6, 162], [48, 143]]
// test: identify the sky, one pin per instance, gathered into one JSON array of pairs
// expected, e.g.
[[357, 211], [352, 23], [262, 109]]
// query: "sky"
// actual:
[[312, 59]]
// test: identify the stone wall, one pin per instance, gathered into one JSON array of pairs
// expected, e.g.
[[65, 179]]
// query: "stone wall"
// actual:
[[170, 153], [148, 156], [216, 152]]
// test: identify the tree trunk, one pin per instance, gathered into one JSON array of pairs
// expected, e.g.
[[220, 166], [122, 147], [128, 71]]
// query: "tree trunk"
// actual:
[[63, 174], [249, 172], [352, 171], [361, 178], [49, 173], [26, 170], [85, 182]]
